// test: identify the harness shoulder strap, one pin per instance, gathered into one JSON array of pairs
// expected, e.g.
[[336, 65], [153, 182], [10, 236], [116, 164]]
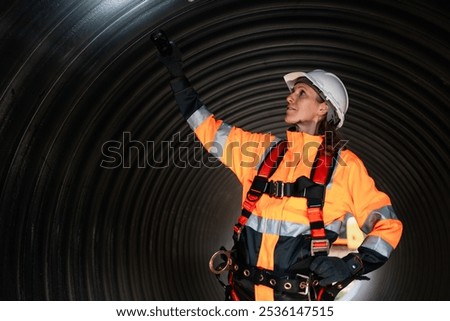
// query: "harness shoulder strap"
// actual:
[[265, 171], [321, 173]]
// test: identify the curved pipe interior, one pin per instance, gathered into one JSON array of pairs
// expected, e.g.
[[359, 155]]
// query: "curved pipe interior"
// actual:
[[107, 195]]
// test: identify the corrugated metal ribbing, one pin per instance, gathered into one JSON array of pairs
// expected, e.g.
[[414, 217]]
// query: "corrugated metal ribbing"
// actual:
[[106, 195]]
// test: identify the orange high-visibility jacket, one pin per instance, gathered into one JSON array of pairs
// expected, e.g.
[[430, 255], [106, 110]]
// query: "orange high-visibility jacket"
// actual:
[[275, 222]]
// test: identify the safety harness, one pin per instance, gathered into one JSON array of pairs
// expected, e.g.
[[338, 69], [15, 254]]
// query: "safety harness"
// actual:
[[314, 191]]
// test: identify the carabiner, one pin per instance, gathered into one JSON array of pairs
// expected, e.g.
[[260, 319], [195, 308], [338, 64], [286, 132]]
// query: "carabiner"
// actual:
[[218, 270]]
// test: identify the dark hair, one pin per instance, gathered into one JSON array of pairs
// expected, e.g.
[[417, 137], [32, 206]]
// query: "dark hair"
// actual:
[[333, 140]]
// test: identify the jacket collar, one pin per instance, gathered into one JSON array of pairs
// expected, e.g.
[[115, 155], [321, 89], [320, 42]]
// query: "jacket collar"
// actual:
[[300, 139]]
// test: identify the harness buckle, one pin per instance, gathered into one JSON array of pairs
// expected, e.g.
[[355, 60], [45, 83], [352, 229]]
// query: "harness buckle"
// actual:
[[219, 269], [303, 284], [320, 245], [278, 189]]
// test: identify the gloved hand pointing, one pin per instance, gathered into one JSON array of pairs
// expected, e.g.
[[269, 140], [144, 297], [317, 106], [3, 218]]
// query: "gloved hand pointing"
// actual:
[[168, 53], [333, 269]]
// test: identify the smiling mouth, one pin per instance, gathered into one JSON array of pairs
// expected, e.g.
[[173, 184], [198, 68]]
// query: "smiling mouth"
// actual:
[[290, 108]]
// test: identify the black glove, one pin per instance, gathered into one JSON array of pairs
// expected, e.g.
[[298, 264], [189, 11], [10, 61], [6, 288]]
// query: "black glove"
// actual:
[[333, 269], [168, 53]]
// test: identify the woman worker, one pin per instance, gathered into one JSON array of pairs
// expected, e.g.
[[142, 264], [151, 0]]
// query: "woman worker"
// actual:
[[296, 192]]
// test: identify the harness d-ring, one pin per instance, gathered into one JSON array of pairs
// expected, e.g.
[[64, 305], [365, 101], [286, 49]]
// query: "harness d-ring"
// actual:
[[226, 267]]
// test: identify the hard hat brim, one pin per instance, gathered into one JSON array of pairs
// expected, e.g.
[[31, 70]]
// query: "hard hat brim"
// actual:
[[291, 78]]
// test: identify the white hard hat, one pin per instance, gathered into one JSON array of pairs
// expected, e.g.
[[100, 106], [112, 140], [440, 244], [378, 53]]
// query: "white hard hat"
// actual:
[[329, 86]]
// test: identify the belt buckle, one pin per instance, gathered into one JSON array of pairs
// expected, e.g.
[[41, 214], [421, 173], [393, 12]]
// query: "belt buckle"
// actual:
[[278, 189], [303, 285], [320, 245]]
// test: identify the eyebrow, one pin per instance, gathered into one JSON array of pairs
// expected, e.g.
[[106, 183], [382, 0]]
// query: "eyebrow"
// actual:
[[312, 87], [302, 86]]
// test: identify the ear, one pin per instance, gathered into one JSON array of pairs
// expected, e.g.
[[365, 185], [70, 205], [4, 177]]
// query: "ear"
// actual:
[[323, 109]]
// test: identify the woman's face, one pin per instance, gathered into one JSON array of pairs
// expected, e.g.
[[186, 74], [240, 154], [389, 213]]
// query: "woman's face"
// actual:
[[303, 108]]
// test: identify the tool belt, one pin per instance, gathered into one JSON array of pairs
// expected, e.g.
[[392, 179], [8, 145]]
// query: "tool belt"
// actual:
[[297, 283], [300, 282]]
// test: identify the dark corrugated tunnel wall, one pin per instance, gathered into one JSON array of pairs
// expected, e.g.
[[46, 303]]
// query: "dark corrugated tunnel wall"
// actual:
[[106, 195]]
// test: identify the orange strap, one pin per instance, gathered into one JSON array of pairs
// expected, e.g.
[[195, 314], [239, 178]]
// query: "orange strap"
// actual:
[[322, 170], [266, 169]]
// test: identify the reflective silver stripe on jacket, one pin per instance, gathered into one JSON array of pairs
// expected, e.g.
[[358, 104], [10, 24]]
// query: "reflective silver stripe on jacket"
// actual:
[[384, 213], [220, 139], [335, 226], [198, 117], [377, 244], [283, 228]]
